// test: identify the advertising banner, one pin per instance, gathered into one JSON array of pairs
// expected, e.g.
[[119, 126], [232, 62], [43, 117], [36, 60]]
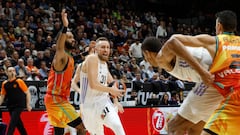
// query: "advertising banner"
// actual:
[[136, 121]]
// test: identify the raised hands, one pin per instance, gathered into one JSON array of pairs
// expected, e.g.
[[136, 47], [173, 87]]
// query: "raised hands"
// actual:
[[64, 18]]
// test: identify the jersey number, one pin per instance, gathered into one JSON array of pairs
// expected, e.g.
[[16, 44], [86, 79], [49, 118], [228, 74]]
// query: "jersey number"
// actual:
[[103, 79], [235, 64]]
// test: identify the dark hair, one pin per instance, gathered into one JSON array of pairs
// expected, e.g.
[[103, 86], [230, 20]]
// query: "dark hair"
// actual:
[[152, 44], [228, 19]]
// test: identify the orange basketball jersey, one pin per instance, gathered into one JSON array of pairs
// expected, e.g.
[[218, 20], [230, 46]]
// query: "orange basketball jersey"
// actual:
[[59, 83], [226, 64]]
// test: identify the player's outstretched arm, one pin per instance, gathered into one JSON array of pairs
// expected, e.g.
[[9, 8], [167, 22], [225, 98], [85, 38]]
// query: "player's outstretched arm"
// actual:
[[60, 58], [62, 36]]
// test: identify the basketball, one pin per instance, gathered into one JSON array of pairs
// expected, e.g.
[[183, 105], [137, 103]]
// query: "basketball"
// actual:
[[119, 84]]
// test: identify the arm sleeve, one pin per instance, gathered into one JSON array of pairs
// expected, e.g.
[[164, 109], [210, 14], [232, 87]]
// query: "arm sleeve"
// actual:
[[22, 85]]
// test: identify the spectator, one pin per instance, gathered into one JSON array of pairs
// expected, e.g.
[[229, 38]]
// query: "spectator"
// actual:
[[40, 44], [39, 59], [49, 42], [124, 58], [133, 66], [150, 71], [135, 51], [85, 38], [9, 48], [138, 82], [6, 63], [4, 40], [27, 54], [126, 71], [161, 30], [3, 55], [124, 79], [144, 74], [17, 29], [117, 71], [3, 75], [21, 70], [11, 34], [127, 45], [175, 99], [18, 45], [145, 64], [43, 71], [48, 58], [165, 100], [32, 71], [155, 77]]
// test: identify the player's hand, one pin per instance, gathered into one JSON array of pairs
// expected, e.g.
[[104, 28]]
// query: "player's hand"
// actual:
[[119, 107], [207, 78], [115, 92], [64, 18], [77, 90], [29, 108]]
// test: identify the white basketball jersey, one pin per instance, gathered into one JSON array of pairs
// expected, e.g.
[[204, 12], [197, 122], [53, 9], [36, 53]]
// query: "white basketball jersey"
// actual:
[[89, 95], [182, 70]]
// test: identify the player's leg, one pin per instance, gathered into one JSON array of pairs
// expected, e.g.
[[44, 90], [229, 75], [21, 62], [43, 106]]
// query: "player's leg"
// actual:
[[70, 130], [112, 120], [178, 125], [78, 124], [99, 130], [196, 129], [91, 116], [185, 118], [208, 132], [58, 131]]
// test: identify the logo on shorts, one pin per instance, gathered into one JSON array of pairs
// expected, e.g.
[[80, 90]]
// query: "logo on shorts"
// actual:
[[200, 89], [158, 120]]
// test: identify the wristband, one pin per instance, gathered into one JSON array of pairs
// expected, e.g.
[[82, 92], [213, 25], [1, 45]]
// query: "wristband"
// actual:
[[64, 30]]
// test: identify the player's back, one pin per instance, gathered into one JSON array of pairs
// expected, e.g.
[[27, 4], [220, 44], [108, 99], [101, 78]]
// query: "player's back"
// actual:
[[225, 65], [182, 70]]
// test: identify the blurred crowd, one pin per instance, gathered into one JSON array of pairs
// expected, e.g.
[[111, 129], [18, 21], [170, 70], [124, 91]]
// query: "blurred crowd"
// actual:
[[29, 29]]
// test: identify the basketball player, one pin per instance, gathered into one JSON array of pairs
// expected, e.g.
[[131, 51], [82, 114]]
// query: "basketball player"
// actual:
[[76, 78], [60, 112], [90, 50], [190, 117], [224, 48], [96, 106]]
